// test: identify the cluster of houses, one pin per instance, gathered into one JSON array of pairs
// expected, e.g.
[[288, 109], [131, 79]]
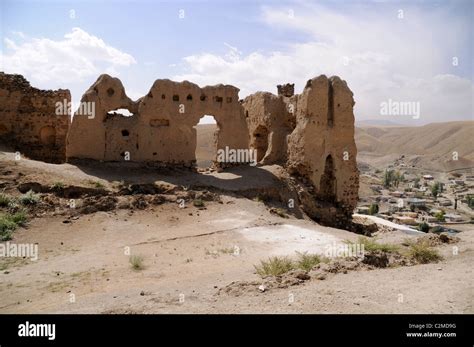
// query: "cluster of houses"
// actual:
[[413, 203]]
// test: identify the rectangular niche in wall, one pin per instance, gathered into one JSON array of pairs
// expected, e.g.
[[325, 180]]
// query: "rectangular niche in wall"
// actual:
[[159, 123]]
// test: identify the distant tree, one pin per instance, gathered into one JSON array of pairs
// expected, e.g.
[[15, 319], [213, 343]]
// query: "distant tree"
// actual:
[[440, 216], [424, 227], [470, 201], [388, 178], [373, 209], [402, 178], [436, 189], [416, 183]]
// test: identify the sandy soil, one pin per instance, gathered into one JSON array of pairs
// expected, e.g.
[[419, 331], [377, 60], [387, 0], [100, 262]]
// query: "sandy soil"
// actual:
[[190, 254]]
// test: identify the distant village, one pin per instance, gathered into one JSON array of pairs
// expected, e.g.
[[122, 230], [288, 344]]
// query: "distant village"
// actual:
[[422, 200]]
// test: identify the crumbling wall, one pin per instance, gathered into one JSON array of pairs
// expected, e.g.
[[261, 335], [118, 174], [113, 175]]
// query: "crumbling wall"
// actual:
[[322, 149], [161, 128], [270, 121], [287, 90], [31, 121], [311, 134]]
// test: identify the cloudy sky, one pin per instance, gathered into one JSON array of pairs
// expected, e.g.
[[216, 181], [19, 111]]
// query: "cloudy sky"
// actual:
[[404, 51]]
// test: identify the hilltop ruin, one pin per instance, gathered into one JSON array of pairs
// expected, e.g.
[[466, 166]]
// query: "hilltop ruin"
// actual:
[[28, 119], [310, 134]]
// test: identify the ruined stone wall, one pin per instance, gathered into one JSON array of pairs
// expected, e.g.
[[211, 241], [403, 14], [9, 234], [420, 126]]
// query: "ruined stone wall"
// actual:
[[287, 89], [161, 128], [29, 122], [313, 134], [270, 122], [322, 148]]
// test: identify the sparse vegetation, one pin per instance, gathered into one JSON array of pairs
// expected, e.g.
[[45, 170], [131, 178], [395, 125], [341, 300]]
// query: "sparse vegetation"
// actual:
[[424, 227], [279, 212], [57, 186], [137, 262], [5, 200], [19, 218], [260, 198], [371, 245], [422, 253], [97, 184], [436, 189], [198, 203], [416, 183], [307, 261], [30, 198], [470, 201], [392, 178], [9, 223], [440, 216], [228, 250], [373, 209], [274, 266]]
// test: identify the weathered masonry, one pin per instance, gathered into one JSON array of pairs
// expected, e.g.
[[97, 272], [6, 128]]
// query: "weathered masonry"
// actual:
[[29, 122], [161, 125], [310, 134]]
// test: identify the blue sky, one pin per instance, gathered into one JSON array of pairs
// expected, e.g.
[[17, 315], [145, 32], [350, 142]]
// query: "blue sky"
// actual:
[[381, 52]]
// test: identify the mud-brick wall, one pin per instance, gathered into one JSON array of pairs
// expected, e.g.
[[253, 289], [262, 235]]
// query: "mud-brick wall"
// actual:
[[31, 121]]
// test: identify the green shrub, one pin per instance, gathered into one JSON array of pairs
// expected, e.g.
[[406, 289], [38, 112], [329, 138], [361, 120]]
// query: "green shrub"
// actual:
[[7, 227], [274, 266], [5, 200], [307, 261], [279, 212], [371, 245], [422, 253], [30, 198], [9, 223], [57, 186], [198, 203], [373, 209], [424, 227], [137, 262], [440, 216]]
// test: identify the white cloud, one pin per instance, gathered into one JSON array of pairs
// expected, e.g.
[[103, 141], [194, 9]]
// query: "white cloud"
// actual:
[[77, 57], [379, 55]]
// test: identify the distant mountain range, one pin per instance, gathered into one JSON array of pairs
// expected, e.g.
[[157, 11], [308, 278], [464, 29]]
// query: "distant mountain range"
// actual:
[[439, 146], [377, 122], [433, 146]]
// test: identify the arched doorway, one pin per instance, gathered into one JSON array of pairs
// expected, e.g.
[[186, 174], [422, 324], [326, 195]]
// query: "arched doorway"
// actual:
[[259, 141], [327, 186], [207, 132]]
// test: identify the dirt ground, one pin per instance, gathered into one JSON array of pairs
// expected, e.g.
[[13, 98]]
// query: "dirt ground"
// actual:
[[191, 255]]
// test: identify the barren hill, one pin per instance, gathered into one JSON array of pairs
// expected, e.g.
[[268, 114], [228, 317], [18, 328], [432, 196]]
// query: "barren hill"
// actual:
[[430, 146]]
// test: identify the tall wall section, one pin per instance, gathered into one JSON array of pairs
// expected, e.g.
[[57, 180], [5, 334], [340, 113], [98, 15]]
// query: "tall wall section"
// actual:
[[30, 120], [161, 127]]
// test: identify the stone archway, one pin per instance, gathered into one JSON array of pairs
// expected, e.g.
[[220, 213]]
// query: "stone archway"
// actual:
[[207, 137], [327, 186]]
